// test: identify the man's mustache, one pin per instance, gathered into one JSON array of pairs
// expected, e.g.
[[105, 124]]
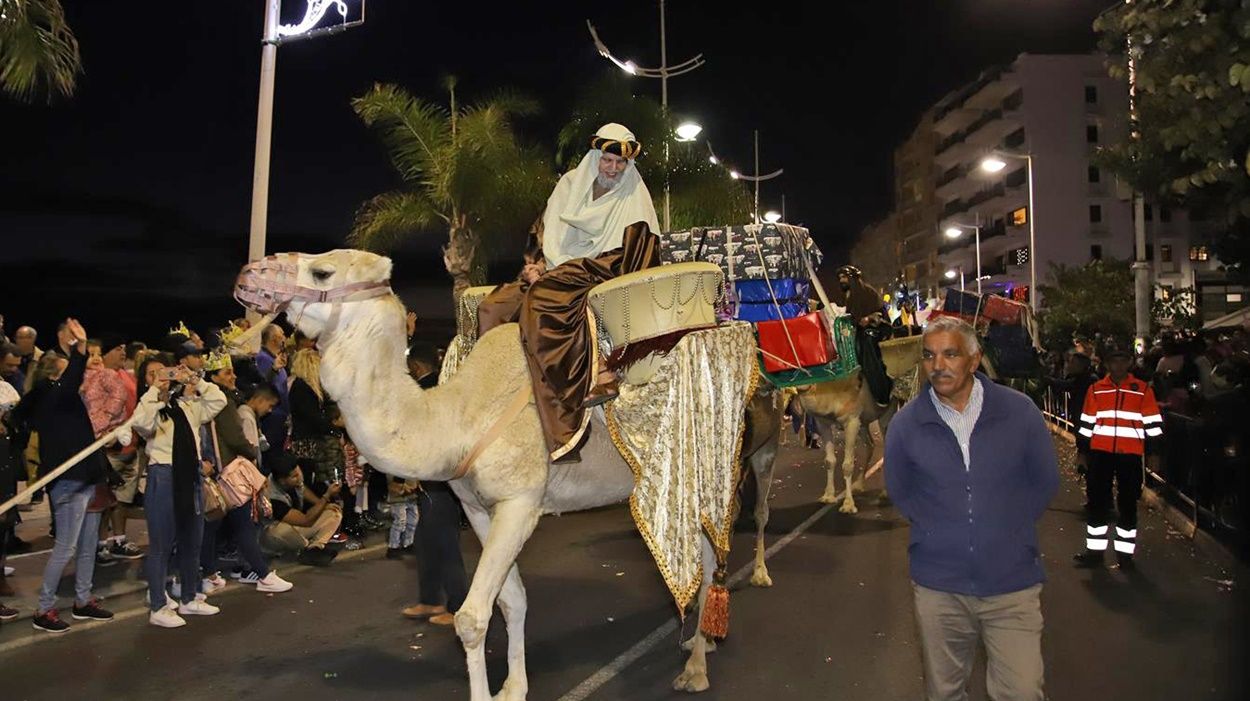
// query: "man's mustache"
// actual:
[[940, 375]]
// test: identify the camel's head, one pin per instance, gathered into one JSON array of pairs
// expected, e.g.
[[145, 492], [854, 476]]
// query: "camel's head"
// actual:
[[312, 288]]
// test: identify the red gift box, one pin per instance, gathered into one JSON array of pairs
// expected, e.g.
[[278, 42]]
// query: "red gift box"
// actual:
[[1002, 310], [806, 334]]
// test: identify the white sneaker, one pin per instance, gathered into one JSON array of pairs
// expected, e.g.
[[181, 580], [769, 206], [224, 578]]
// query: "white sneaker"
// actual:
[[214, 583], [274, 584], [166, 617], [199, 607]]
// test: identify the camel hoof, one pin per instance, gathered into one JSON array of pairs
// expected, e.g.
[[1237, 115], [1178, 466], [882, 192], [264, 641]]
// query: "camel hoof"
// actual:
[[760, 578], [691, 682], [828, 498], [709, 646], [858, 486], [848, 507]]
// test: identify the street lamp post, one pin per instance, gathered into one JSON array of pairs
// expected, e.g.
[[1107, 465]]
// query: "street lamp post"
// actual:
[[954, 231], [994, 164], [757, 178], [664, 72], [273, 34]]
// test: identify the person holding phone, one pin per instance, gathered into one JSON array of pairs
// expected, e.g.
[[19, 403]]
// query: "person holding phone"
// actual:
[[169, 417]]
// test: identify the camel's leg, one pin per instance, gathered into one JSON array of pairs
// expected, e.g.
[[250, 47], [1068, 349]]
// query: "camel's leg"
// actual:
[[510, 526], [694, 677], [762, 465], [828, 435], [513, 603], [850, 431]]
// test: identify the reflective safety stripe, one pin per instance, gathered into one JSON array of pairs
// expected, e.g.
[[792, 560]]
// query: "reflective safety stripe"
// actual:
[[1154, 432], [1152, 419], [1096, 543], [1088, 419], [1117, 414], [1121, 533], [1097, 530], [1118, 431], [1113, 391], [1086, 432], [1123, 546]]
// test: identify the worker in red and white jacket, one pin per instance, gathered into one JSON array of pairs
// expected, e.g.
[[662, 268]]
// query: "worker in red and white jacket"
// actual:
[[1119, 424]]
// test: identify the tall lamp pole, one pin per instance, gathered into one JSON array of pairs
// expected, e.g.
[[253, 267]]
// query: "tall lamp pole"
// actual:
[[995, 164], [273, 34], [663, 73], [954, 231], [757, 178]]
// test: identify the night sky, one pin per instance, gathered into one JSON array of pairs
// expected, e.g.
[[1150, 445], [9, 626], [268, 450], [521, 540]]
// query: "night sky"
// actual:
[[128, 204]]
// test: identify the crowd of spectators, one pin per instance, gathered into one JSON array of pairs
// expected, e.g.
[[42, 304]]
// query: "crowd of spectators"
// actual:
[[167, 421]]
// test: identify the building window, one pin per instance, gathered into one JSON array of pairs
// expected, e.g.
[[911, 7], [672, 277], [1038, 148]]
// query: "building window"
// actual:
[[1013, 101], [1198, 253], [1095, 252], [1020, 256], [1095, 213], [1091, 95], [1165, 253], [1165, 215], [1015, 139], [1094, 175], [1020, 217], [1091, 133], [1149, 212], [1165, 292], [1233, 298], [1150, 251], [1016, 178]]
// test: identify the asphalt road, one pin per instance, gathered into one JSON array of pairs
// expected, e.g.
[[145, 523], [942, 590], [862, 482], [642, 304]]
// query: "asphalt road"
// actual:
[[836, 625]]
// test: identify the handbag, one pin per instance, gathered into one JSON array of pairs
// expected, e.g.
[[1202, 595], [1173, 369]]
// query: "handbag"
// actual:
[[214, 502], [241, 482]]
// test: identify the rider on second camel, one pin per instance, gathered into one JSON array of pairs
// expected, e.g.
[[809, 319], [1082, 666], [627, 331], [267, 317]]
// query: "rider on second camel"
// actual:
[[864, 304]]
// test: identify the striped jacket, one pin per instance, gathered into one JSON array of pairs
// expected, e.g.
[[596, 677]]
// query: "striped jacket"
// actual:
[[1119, 419]]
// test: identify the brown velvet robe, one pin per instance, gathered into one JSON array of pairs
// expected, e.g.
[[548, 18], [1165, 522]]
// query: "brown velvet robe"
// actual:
[[555, 331]]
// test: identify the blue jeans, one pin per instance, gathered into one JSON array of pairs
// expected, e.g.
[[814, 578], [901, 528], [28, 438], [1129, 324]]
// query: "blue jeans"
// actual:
[[165, 531], [76, 532], [244, 532], [404, 525]]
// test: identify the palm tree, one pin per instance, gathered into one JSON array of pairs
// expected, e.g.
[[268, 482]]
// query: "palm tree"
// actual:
[[465, 172], [703, 194], [38, 52]]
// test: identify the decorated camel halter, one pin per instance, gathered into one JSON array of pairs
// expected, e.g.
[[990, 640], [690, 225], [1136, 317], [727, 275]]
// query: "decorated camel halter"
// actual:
[[269, 285]]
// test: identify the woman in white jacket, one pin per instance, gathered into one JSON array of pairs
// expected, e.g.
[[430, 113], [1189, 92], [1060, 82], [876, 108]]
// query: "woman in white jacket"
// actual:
[[176, 403]]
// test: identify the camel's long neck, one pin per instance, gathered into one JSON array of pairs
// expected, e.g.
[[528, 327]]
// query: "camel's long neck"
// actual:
[[396, 426]]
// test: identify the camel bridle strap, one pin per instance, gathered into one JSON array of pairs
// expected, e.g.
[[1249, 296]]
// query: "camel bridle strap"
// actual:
[[520, 400], [269, 285]]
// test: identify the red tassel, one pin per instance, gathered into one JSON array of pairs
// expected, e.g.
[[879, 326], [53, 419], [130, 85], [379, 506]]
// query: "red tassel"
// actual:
[[715, 622]]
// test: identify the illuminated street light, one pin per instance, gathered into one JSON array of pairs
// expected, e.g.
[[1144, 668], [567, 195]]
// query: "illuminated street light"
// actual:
[[688, 131], [735, 174], [772, 217], [713, 160], [954, 232], [993, 164], [951, 274]]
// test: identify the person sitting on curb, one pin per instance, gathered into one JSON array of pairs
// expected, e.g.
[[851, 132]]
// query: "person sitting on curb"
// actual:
[[301, 521]]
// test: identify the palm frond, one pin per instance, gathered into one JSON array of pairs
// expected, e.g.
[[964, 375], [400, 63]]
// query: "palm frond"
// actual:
[[383, 221], [38, 51], [415, 132]]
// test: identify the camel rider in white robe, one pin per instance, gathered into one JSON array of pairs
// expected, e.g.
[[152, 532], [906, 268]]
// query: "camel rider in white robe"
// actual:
[[599, 223]]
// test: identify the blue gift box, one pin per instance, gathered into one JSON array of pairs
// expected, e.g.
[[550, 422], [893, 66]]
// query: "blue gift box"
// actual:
[[767, 311], [786, 289]]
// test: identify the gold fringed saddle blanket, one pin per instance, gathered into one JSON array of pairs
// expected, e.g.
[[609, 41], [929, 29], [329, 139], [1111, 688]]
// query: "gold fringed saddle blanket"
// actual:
[[681, 434]]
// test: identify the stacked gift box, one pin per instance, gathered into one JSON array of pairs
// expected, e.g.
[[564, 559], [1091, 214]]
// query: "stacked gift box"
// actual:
[[754, 259]]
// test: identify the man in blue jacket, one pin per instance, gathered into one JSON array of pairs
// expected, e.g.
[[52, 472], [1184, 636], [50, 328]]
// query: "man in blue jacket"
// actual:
[[971, 465]]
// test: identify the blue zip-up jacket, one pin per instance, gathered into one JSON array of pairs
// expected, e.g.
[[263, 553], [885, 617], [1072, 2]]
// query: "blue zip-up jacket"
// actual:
[[973, 530]]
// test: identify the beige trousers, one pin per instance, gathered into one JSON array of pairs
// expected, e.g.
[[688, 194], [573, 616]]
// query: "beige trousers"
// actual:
[[1010, 626], [285, 538]]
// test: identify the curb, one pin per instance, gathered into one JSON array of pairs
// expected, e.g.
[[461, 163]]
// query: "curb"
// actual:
[[35, 636]]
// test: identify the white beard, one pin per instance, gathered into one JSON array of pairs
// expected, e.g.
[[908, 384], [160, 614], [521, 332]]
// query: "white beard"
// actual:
[[606, 183]]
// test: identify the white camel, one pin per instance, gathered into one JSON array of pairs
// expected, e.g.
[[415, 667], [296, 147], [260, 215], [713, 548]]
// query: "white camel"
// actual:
[[425, 434]]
